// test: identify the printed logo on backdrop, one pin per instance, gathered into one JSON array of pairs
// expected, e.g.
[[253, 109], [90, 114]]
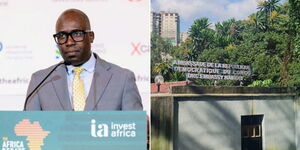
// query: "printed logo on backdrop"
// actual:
[[17, 52], [57, 54], [3, 3], [142, 78], [14, 80], [1, 46], [104, 130], [139, 48], [33, 133]]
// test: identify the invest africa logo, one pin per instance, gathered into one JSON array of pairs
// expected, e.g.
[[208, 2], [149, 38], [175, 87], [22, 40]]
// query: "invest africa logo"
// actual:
[[33, 132]]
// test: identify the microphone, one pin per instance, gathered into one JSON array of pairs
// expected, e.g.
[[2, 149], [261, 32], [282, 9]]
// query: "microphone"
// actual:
[[42, 82]]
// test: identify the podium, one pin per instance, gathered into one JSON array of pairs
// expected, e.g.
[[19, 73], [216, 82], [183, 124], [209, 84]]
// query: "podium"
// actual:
[[68, 130]]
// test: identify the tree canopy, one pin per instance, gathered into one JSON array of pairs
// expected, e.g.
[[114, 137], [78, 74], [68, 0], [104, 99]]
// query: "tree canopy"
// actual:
[[268, 40]]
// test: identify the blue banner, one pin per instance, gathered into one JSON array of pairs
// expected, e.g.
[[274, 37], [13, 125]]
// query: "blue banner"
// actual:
[[67, 130]]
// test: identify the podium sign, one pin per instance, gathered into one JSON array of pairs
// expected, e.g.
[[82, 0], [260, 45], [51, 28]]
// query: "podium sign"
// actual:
[[67, 130]]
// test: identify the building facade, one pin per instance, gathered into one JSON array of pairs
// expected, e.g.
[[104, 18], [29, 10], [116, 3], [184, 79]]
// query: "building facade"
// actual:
[[183, 36], [167, 25]]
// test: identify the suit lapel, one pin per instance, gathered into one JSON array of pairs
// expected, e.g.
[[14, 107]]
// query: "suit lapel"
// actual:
[[100, 81], [59, 80]]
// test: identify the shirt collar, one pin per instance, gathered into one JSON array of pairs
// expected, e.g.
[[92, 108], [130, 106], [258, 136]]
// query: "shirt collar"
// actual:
[[88, 66]]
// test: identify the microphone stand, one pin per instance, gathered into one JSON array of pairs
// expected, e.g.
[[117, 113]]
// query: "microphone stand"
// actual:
[[41, 84]]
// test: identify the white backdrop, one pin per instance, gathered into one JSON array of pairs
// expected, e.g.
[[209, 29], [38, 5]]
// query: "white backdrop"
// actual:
[[122, 36]]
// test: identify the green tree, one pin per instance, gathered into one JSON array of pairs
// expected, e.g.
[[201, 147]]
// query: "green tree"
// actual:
[[158, 47], [182, 51], [228, 32], [201, 36], [266, 7], [268, 41], [294, 14]]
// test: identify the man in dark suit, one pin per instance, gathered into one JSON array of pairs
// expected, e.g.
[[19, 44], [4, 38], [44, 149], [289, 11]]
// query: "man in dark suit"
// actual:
[[84, 81]]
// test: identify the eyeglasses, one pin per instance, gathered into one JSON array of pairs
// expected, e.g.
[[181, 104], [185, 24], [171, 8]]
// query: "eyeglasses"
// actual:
[[77, 35]]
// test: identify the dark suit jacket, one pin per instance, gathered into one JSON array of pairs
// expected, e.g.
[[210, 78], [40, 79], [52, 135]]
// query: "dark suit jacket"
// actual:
[[113, 88]]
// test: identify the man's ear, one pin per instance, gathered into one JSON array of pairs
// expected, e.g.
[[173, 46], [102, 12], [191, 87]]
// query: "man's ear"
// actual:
[[91, 36]]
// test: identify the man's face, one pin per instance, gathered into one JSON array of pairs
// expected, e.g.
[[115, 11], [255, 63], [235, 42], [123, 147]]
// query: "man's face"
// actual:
[[75, 53]]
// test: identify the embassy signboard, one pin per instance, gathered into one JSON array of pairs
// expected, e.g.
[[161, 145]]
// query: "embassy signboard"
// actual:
[[214, 71], [67, 130]]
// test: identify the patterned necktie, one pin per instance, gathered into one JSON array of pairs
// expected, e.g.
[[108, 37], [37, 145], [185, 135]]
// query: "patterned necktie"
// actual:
[[78, 90]]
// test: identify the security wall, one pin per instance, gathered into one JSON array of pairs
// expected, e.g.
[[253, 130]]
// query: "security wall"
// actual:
[[122, 37], [215, 122], [226, 118]]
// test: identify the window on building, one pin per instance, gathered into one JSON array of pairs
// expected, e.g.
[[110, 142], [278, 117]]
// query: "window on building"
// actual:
[[251, 132]]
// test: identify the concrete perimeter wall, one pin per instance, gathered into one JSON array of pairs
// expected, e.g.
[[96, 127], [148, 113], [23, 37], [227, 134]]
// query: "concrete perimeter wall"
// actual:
[[209, 118]]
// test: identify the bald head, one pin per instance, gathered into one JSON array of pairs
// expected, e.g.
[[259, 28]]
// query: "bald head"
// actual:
[[72, 25], [73, 15]]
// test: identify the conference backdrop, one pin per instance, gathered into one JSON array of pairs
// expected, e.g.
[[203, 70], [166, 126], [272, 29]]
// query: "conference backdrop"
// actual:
[[122, 37]]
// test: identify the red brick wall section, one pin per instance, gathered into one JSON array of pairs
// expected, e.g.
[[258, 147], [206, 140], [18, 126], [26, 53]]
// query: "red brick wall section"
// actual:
[[164, 88]]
